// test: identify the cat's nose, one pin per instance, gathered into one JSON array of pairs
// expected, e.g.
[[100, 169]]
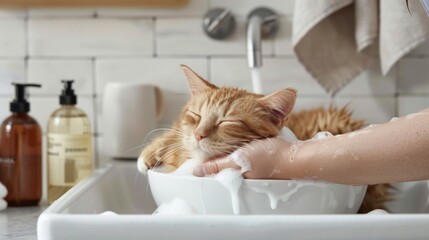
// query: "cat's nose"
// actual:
[[200, 136]]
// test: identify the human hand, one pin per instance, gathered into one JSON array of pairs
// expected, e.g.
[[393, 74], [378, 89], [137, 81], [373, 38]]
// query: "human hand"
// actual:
[[260, 159]]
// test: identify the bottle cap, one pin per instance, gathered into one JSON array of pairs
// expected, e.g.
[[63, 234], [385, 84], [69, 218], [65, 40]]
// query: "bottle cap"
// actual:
[[20, 103], [68, 97]]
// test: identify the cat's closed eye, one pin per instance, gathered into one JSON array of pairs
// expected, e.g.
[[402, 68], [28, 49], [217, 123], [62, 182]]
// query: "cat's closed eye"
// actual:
[[229, 122], [192, 117]]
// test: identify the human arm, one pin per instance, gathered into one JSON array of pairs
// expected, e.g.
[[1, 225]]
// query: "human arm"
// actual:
[[391, 152]]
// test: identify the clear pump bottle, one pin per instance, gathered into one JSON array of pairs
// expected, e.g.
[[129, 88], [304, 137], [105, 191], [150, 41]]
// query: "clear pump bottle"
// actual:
[[69, 145], [21, 152]]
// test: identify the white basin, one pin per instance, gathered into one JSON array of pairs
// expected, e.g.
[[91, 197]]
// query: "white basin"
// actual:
[[117, 188], [208, 196]]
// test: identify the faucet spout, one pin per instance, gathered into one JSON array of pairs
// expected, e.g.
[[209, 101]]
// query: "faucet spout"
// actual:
[[262, 22], [254, 42]]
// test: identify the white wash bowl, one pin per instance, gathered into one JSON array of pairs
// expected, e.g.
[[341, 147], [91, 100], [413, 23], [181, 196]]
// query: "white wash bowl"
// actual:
[[208, 196]]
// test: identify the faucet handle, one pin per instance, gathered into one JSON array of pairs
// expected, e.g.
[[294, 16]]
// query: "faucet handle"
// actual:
[[270, 21], [219, 23]]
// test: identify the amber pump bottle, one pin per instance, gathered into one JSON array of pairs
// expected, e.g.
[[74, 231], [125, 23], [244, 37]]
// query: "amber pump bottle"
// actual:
[[69, 145], [21, 152]]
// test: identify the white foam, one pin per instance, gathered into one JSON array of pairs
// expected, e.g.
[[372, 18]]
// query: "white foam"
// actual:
[[393, 119], [3, 191], [187, 168], [231, 179], [241, 160], [108, 213], [294, 150], [177, 206], [322, 135], [378, 212]]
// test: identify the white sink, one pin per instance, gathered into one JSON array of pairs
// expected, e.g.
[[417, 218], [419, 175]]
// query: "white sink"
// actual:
[[119, 189]]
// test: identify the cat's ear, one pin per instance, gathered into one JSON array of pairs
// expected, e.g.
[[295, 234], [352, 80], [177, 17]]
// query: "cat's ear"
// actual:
[[280, 104], [196, 83]]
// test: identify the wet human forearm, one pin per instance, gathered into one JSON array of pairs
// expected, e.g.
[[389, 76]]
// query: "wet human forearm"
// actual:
[[390, 152]]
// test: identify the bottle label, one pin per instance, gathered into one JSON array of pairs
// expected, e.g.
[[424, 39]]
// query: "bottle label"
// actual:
[[69, 158]]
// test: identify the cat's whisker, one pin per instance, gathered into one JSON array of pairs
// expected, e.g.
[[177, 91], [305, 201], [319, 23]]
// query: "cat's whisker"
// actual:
[[160, 149], [170, 152]]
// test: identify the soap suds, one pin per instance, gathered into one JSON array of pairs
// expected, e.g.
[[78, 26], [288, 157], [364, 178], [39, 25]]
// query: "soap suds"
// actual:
[[294, 150], [321, 135], [231, 179], [241, 160], [187, 168], [177, 206]]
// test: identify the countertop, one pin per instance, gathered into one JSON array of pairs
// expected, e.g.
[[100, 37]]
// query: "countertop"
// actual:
[[20, 222]]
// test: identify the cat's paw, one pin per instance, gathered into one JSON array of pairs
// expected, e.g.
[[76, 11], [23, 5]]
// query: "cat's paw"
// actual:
[[141, 165], [148, 159]]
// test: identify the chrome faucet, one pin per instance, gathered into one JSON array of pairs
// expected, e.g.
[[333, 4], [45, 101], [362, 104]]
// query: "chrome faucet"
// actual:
[[262, 23]]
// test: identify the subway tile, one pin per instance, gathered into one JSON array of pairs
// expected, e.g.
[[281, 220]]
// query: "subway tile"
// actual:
[[4, 108], [173, 107], [413, 75], [12, 13], [194, 8], [283, 39], [186, 37], [11, 71], [244, 7], [12, 38], [371, 82], [165, 73], [412, 104], [373, 110], [90, 37], [309, 103], [43, 107], [61, 12], [50, 72], [276, 74]]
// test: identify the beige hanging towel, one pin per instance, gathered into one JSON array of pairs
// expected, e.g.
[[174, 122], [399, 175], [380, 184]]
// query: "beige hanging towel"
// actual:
[[335, 39]]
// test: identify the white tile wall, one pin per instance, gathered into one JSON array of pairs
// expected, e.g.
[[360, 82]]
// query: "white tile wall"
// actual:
[[12, 38], [372, 83], [96, 46], [50, 72], [12, 13], [412, 104], [11, 71], [413, 76], [283, 38], [186, 37], [276, 73], [90, 37], [60, 12]]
